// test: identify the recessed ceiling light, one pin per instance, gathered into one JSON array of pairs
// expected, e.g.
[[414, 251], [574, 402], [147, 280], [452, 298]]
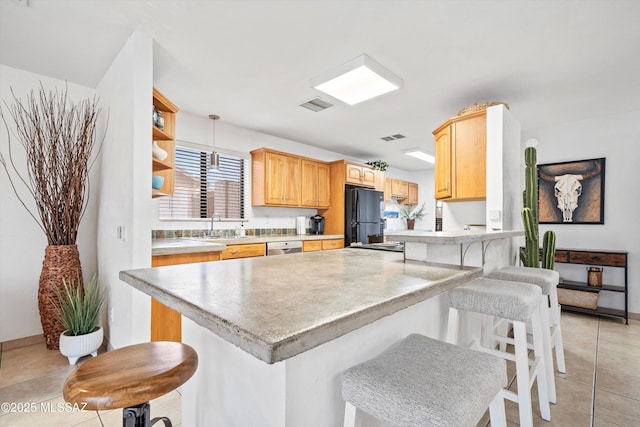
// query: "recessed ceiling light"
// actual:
[[419, 154], [357, 80]]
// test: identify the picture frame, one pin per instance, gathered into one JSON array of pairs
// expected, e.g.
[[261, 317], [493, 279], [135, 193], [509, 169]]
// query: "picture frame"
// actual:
[[571, 192]]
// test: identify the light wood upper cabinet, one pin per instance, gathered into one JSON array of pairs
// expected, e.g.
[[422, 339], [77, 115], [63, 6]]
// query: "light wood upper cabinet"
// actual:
[[412, 195], [276, 178], [315, 184], [399, 188], [165, 138], [387, 189], [404, 192], [471, 158], [442, 166], [460, 150], [360, 175], [283, 179]]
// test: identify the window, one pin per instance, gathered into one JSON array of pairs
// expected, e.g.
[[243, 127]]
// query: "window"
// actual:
[[200, 192]]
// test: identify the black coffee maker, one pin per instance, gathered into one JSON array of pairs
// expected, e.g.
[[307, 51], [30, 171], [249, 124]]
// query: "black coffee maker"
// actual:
[[317, 224]]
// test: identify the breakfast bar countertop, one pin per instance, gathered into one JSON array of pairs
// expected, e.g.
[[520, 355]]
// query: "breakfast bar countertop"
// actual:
[[277, 307], [450, 237]]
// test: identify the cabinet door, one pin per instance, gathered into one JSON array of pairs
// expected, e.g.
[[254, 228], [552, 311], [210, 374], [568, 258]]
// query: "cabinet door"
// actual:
[[324, 185], [442, 166], [274, 183], [292, 181], [282, 180], [368, 177], [387, 189], [166, 323], [471, 158], [310, 183], [412, 196], [354, 174], [399, 188]]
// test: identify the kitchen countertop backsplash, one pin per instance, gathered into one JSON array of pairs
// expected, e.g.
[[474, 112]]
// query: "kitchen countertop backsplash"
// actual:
[[230, 233]]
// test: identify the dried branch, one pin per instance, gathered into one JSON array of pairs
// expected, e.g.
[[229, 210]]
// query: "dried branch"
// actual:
[[58, 139]]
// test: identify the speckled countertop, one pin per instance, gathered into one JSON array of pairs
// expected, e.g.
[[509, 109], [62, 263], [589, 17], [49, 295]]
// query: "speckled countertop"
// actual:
[[277, 307], [204, 244], [449, 237]]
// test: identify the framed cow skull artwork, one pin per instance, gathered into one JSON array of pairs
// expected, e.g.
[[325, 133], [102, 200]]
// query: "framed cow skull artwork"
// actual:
[[571, 192]]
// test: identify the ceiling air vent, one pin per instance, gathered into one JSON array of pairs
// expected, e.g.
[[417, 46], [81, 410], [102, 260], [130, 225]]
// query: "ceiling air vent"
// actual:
[[392, 137], [316, 104]]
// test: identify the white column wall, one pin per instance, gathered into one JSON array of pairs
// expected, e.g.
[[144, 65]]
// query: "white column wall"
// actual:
[[125, 193]]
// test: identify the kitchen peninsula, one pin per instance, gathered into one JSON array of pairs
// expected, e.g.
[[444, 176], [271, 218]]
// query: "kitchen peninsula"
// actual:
[[463, 247], [273, 334]]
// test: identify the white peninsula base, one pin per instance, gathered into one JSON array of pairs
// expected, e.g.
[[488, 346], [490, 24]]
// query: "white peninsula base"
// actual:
[[233, 388]]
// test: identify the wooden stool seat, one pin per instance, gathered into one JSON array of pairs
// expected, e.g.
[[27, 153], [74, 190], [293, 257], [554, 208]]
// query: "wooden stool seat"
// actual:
[[131, 375]]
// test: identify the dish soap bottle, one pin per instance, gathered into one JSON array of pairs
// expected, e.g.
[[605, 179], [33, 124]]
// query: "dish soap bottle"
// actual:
[[242, 230]]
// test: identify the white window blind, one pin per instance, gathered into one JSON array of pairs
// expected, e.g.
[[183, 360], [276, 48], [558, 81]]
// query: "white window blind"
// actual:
[[200, 192]]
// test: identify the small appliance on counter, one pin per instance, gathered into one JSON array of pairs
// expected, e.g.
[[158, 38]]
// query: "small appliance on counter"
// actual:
[[301, 225], [317, 224]]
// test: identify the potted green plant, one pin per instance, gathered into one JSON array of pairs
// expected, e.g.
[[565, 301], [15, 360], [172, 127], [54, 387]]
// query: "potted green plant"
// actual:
[[411, 213], [379, 165], [78, 309]]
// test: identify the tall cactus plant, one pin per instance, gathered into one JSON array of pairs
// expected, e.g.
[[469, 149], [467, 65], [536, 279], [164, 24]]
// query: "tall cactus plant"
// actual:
[[530, 255]]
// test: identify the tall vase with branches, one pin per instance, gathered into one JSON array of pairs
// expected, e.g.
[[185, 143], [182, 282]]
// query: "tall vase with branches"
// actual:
[[58, 138]]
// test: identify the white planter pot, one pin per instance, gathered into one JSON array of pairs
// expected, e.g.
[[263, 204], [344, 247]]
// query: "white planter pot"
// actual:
[[74, 347]]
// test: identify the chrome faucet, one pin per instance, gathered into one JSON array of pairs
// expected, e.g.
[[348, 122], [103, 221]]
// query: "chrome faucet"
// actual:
[[215, 216]]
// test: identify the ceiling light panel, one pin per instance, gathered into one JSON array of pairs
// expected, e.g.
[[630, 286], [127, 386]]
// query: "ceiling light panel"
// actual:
[[357, 80], [419, 154]]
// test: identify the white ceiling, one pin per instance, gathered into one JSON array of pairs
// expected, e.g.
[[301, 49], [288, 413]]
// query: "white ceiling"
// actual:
[[251, 61]]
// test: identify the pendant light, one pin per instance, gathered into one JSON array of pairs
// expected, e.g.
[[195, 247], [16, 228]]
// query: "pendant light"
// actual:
[[214, 163]]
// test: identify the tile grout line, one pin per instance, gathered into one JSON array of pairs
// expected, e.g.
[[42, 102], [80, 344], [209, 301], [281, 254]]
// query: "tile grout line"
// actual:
[[595, 374]]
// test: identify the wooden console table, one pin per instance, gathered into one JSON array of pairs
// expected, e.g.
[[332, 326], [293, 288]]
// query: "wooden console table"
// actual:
[[616, 259]]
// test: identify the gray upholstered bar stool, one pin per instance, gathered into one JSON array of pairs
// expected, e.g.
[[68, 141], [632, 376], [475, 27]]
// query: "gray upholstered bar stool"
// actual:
[[548, 281], [520, 304], [420, 381]]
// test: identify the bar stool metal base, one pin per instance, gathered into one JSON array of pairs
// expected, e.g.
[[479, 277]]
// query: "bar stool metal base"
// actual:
[[139, 416]]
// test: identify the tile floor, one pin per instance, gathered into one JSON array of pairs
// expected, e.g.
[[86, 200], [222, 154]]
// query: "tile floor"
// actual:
[[601, 386]]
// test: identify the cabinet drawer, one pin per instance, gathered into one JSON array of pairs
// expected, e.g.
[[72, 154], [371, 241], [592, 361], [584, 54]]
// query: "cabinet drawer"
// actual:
[[598, 258], [311, 245], [332, 244], [244, 251], [561, 256]]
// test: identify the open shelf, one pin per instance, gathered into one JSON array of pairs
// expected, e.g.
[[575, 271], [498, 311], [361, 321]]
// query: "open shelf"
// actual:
[[165, 138], [582, 286]]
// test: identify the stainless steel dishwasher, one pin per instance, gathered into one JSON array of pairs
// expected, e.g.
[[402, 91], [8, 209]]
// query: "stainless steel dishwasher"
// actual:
[[284, 248]]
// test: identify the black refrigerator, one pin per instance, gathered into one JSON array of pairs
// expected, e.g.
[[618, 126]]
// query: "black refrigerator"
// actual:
[[364, 214]]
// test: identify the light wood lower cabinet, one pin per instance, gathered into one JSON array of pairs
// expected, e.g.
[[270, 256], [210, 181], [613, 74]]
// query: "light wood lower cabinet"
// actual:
[[332, 244], [322, 245], [166, 323], [244, 251]]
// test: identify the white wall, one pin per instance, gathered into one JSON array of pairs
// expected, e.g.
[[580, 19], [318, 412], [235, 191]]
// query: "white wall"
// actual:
[[199, 130], [125, 194], [616, 138], [22, 243]]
